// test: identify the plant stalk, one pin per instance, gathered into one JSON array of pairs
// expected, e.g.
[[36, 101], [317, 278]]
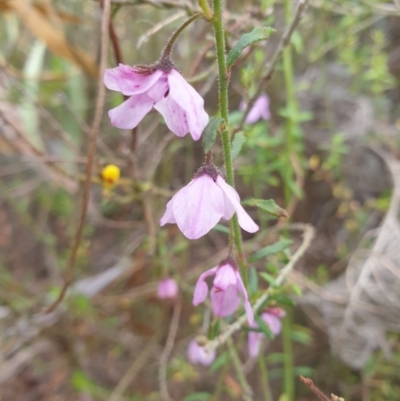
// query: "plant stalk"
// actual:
[[223, 82]]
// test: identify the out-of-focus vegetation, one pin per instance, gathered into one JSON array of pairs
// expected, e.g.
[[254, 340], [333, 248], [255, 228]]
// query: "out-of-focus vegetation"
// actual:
[[335, 110]]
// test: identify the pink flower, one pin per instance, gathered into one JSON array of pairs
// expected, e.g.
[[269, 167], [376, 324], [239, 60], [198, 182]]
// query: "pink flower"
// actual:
[[167, 289], [226, 290], [199, 206], [197, 354], [260, 110], [160, 86], [272, 317]]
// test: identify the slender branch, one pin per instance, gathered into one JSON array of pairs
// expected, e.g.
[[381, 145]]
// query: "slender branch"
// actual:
[[206, 9], [310, 384], [284, 41], [247, 391], [171, 42], [173, 329], [234, 327], [90, 155], [137, 365]]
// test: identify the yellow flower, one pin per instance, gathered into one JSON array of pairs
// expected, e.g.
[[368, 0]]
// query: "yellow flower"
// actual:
[[110, 175]]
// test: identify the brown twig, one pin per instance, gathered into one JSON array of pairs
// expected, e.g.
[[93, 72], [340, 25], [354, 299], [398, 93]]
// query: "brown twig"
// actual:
[[309, 383], [173, 329], [90, 155]]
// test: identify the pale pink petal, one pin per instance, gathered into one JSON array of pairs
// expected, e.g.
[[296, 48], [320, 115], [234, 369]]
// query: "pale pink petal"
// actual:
[[254, 342], [275, 310], [224, 277], [201, 288], [224, 303], [229, 210], [126, 80], [167, 289], [129, 114], [175, 117], [168, 215], [273, 322], [260, 110], [246, 302], [198, 207], [190, 102], [197, 354], [231, 196]]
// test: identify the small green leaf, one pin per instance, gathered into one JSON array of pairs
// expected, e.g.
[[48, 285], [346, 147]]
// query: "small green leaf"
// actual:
[[202, 396], [269, 206], [296, 289], [221, 361], [237, 144], [210, 132], [256, 35], [269, 279], [253, 280], [264, 327], [221, 229], [270, 250]]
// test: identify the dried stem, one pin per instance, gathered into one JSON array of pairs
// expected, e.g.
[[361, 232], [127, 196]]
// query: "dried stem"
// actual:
[[247, 392], [309, 383], [173, 329], [90, 155]]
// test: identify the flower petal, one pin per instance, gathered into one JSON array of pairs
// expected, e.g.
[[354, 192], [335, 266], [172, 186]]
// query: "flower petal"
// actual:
[[168, 215], [197, 354], [201, 288], [175, 117], [224, 303], [231, 196], [198, 207], [224, 277], [273, 322], [246, 302], [190, 102], [126, 80], [129, 114], [253, 343]]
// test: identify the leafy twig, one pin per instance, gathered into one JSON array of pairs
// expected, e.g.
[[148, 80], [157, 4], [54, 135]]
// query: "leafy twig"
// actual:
[[231, 329]]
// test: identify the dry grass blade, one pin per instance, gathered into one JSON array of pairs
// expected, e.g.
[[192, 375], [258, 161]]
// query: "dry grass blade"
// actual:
[[43, 28]]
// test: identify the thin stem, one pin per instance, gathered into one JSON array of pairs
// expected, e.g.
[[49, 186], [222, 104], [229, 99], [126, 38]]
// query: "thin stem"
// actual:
[[288, 359], [247, 392], [206, 9], [171, 42], [264, 377], [90, 155], [291, 125], [223, 82]]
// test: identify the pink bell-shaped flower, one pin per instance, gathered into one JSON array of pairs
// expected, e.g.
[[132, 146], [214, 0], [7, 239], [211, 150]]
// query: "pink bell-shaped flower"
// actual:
[[160, 86], [226, 290], [199, 206], [272, 318], [197, 354], [167, 289], [259, 111]]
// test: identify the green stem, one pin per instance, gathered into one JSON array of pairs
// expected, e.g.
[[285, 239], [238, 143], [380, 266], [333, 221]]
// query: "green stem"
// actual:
[[223, 82], [288, 359], [239, 372], [171, 42], [206, 9], [264, 377], [291, 105]]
